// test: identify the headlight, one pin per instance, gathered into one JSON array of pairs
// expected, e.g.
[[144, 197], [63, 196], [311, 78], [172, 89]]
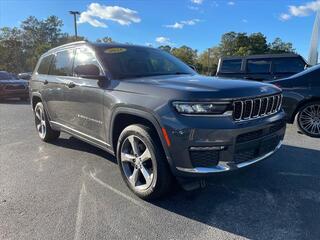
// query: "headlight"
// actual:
[[201, 107]]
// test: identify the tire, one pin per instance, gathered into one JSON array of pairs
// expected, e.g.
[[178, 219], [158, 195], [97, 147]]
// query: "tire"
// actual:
[[148, 159], [45, 132], [308, 119]]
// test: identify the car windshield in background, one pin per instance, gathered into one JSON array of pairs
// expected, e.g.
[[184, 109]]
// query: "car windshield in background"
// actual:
[[308, 71], [133, 62], [7, 76]]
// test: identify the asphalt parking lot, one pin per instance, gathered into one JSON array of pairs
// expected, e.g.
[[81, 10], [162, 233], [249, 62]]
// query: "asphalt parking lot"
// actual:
[[71, 190]]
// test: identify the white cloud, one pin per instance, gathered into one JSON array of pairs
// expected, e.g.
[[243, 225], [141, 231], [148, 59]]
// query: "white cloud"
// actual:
[[163, 41], [193, 8], [95, 11], [175, 25], [285, 17], [190, 22], [231, 3], [301, 10], [304, 10], [244, 20], [181, 24], [197, 1]]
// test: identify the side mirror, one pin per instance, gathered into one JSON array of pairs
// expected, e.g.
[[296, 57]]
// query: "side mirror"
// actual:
[[88, 71], [193, 67]]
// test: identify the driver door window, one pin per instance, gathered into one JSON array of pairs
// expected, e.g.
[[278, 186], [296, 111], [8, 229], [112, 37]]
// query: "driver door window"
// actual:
[[85, 59]]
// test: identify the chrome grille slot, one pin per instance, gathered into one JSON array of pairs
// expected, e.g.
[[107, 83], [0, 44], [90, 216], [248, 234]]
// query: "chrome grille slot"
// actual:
[[275, 104], [248, 106], [263, 106], [270, 105], [257, 107]]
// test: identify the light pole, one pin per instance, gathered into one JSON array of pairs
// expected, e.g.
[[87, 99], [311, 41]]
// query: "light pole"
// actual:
[[209, 52], [75, 13]]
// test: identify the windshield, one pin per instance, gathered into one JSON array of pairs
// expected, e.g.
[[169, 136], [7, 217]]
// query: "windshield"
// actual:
[[7, 76], [131, 62]]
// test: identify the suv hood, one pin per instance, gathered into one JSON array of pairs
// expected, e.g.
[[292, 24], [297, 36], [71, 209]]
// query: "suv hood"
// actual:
[[198, 86]]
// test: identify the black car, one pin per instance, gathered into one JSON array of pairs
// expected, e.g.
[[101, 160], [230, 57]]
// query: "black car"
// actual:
[[25, 76], [264, 67], [13, 87], [154, 113], [301, 100]]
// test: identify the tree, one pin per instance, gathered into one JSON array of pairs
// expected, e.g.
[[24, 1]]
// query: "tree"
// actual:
[[207, 64], [186, 54], [240, 44], [105, 40], [166, 48], [20, 48], [11, 49], [278, 46], [257, 44]]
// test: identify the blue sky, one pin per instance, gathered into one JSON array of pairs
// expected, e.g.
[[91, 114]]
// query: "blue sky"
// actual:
[[196, 23]]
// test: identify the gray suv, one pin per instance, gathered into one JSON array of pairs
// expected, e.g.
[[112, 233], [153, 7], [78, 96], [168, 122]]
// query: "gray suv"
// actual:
[[159, 118]]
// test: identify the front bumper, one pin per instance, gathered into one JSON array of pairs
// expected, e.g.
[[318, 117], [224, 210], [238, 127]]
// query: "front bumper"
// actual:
[[204, 151]]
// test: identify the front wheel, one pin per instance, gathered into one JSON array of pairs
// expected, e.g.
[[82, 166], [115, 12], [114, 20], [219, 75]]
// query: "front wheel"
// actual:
[[46, 133], [142, 162], [309, 119]]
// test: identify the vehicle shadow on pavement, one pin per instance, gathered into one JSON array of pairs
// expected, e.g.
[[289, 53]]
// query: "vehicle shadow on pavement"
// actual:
[[76, 144], [276, 199]]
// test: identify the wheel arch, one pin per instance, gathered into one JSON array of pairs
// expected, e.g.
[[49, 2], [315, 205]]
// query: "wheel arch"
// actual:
[[301, 105], [123, 117], [35, 98]]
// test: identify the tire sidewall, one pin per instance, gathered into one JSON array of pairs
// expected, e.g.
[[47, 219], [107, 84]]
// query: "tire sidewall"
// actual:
[[298, 119], [40, 105], [155, 157]]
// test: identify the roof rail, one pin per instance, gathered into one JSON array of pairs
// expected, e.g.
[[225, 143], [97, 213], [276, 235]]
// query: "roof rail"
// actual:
[[68, 44]]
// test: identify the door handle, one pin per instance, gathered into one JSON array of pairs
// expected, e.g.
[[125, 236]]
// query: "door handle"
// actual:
[[45, 82], [71, 84]]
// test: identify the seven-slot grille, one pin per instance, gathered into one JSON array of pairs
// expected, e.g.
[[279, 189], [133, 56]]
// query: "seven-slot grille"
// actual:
[[256, 107]]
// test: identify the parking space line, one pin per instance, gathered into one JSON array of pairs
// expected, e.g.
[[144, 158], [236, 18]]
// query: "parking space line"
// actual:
[[134, 201]]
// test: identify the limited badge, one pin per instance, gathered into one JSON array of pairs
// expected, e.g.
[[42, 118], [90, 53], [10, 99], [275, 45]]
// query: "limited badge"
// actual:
[[115, 50]]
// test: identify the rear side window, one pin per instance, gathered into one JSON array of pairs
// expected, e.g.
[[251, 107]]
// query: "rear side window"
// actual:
[[45, 65], [62, 63], [288, 65], [231, 66], [259, 66]]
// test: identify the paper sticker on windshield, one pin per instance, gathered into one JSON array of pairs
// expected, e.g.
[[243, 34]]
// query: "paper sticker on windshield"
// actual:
[[115, 50]]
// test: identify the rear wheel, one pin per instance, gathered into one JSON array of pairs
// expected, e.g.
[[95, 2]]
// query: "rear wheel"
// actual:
[[142, 162], [309, 119], [46, 133]]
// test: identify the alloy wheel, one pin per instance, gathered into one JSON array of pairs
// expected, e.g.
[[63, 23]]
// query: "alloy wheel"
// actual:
[[40, 122], [309, 119], [136, 162]]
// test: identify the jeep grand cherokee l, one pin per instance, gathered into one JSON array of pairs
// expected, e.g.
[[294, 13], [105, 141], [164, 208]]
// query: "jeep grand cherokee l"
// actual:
[[154, 113]]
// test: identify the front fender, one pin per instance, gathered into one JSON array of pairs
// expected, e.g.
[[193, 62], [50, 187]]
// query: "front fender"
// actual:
[[145, 114]]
